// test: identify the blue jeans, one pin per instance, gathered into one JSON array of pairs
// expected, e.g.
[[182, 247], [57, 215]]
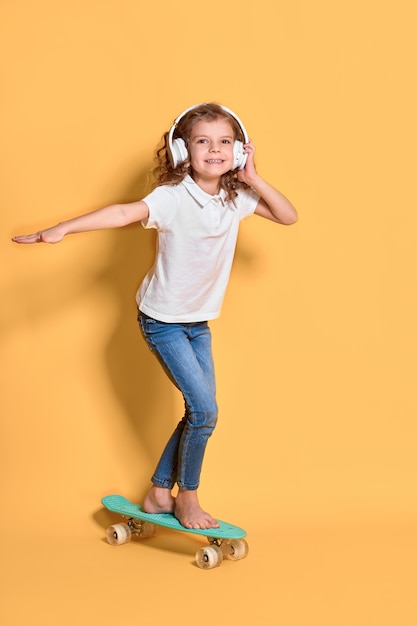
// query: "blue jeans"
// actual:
[[184, 351]]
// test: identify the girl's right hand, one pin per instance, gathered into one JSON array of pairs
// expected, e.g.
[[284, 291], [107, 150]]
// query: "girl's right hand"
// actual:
[[50, 235]]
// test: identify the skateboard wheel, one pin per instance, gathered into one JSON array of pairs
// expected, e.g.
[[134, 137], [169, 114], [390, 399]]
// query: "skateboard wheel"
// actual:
[[237, 549], [118, 534], [209, 557]]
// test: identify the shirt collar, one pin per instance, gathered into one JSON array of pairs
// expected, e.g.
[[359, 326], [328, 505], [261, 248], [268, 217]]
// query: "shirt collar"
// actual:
[[199, 195]]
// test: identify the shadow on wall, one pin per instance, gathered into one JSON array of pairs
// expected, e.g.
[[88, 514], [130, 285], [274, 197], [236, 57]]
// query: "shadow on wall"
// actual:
[[139, 383]]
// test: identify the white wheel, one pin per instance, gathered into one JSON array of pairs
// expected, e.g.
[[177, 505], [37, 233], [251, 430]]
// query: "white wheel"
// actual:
[[237, 549], [147, 530], [118, 534], [209, 557]]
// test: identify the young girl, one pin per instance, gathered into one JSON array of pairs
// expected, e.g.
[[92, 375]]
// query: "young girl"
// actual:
[[206, 182]]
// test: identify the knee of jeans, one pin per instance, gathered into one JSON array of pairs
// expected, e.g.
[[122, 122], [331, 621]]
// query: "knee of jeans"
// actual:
[[211, 420], [204, 420]]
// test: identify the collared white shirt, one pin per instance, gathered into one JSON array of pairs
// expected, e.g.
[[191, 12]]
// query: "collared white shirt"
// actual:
[[197, 235]]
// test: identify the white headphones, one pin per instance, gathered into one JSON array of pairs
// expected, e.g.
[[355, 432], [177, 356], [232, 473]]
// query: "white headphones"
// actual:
[[177, 150]]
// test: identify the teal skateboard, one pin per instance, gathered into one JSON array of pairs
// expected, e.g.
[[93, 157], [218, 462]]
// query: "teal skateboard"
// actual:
[[227, 541]]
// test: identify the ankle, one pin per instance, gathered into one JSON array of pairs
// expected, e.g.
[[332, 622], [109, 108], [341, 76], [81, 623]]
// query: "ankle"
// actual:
[[187, 495], [158, 500]]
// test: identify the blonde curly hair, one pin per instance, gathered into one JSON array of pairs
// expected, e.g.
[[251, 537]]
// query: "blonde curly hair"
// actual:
[[165, 174]]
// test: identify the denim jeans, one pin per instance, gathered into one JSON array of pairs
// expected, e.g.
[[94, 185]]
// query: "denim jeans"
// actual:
[[184, 351]]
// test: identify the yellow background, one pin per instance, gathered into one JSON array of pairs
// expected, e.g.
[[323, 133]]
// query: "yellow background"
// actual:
[[316, 346]]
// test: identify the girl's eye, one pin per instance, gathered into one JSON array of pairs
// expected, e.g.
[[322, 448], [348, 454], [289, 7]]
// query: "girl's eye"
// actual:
[[205, 140]]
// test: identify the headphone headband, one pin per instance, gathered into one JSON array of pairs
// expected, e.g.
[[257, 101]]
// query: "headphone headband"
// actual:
[[178, 152]]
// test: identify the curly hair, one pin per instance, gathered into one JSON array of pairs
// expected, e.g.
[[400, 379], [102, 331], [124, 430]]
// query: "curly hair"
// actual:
[[166, 174]]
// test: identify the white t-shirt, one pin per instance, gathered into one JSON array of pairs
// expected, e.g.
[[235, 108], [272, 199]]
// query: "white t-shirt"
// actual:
[[197, 236]]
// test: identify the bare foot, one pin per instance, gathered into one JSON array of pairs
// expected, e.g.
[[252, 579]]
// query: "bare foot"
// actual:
[[159, 500], [189, 513]]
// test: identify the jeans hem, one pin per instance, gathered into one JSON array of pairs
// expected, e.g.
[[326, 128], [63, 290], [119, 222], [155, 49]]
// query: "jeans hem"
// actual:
[[165, 484]]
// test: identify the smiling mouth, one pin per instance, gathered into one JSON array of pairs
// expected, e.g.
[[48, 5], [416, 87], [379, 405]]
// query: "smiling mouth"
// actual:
[[214, 160]]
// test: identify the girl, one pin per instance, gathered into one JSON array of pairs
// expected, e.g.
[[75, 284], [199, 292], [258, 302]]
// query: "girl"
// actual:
[[206, 182]]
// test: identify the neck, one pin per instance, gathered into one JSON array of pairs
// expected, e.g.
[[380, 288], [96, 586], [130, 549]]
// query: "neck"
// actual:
[[211, 187]]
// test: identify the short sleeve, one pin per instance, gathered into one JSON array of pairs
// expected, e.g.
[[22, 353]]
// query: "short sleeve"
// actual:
[[162, 205], [246, 202]]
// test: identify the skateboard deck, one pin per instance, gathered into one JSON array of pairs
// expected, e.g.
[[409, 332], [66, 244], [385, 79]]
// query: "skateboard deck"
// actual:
[[225, 541]]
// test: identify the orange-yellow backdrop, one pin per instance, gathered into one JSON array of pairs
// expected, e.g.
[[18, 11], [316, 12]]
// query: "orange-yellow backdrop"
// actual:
[[316, 346]]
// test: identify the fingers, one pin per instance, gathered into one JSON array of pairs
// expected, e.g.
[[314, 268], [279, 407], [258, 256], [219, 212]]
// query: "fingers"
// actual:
[[34, 238], [49, 235], [249, 169], [248, 147], [249, 151]]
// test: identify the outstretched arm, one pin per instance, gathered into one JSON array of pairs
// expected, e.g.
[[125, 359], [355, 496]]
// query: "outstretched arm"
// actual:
[[273, 205], [113, 216]]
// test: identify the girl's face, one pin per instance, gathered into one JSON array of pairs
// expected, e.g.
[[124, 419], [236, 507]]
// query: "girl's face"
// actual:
[[211, 150]]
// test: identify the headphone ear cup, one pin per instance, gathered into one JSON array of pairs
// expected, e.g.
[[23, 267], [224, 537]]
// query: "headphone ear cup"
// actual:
[[239, 155], [179, 152]]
